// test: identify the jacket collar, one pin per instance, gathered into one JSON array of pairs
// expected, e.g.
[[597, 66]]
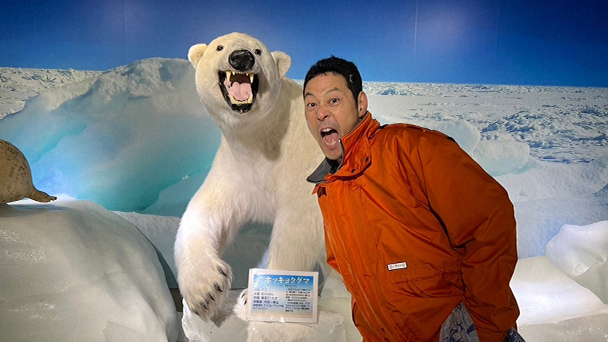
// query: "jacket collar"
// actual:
[[356, 150]]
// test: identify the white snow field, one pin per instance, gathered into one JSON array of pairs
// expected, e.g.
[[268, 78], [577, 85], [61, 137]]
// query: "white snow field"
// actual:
[[134, 143]]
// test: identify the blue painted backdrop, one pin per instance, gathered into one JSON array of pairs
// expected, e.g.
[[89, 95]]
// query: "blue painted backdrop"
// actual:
[[522, 42]]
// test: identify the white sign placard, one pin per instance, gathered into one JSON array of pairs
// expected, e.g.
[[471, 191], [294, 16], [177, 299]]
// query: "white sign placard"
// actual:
[[282, 296]]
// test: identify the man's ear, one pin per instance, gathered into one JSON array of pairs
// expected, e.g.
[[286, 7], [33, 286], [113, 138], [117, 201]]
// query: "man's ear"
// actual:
[[362, 104], [196, 53], [283, 62]]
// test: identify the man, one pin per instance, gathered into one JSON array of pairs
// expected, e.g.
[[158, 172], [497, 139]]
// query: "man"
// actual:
[[424, 239]]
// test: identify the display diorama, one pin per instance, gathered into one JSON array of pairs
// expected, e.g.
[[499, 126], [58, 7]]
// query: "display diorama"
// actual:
[[171, 173]]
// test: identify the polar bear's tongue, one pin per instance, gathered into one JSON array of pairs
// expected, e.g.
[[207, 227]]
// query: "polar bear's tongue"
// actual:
[[240, 91]]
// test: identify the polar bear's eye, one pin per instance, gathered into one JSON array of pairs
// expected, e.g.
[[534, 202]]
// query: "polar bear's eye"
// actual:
[[258, 52], [220, 47]]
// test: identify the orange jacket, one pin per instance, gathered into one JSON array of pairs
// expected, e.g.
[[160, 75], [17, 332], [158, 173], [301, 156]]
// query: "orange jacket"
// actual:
[[409, 199]]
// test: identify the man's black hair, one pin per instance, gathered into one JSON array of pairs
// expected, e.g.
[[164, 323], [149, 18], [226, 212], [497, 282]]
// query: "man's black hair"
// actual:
[[339, 66]]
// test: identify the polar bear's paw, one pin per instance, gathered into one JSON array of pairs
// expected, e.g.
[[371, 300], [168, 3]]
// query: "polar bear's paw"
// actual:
[[240, 309], [243, 297], [206, 288]]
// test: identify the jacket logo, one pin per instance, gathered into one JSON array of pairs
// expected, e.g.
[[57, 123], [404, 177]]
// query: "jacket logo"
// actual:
[[397, 266]]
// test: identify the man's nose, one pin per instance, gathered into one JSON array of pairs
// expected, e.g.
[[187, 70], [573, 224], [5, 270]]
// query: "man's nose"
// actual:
[[322, 113]]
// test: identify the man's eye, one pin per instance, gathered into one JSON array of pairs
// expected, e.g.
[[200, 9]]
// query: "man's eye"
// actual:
[[310, 105], [334, 101]]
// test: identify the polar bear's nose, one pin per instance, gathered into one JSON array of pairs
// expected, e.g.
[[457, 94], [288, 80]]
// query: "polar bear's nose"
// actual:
[[241, 60]]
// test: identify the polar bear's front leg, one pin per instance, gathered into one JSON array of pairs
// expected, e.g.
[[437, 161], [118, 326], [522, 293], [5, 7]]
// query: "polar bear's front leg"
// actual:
[[297, 237], [204, 279]]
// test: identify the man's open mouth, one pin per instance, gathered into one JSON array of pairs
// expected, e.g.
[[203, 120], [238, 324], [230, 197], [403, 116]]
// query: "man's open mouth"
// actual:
[[330, 136], [239, 89]]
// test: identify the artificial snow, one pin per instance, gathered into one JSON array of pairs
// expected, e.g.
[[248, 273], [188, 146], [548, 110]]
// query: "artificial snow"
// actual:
[[161, 231], [554, 307], [235, 327], [73, 271], [581, 253], [546, 295], [137, 141], [334, 322]]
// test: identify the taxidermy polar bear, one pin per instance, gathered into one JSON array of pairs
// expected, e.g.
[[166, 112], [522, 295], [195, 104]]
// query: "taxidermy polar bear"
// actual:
[[259, 172]]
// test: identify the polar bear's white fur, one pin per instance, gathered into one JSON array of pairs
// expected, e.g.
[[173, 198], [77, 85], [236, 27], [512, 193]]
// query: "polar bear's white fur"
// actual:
[[259, 172]]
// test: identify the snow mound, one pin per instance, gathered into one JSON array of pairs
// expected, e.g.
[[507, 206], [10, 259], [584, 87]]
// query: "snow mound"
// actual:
[[554, 308], [161, 231], [173, 199], [120, 138], [73, 271], [581, 252], [546, 295]]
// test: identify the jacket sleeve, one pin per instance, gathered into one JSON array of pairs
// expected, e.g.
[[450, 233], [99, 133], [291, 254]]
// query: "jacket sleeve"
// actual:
[[479, 219]]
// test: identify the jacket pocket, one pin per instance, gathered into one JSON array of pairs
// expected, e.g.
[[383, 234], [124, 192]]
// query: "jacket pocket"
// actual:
[[426, 280], [419, 298]]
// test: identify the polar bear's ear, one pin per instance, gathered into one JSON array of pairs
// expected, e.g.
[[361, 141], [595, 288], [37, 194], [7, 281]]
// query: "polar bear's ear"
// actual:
[[283, 62], [196, 53]]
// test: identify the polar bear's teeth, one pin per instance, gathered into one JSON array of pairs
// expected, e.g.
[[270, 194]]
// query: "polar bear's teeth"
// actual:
[[241, 77], [249, 100]]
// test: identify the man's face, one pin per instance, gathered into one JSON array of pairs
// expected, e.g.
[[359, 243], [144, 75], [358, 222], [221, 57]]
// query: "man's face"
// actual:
[[332, 112]]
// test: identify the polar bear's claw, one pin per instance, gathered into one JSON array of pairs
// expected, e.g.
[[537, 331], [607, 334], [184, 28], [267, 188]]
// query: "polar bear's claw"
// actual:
[[204, 289]]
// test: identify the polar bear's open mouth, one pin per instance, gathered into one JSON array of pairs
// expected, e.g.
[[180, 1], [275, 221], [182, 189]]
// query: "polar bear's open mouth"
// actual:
[[239, 89]]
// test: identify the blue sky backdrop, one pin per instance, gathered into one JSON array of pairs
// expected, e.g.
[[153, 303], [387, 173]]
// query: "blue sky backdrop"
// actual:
[[524, 42]]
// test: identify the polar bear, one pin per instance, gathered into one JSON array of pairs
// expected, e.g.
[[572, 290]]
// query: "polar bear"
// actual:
[[259, 172]]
